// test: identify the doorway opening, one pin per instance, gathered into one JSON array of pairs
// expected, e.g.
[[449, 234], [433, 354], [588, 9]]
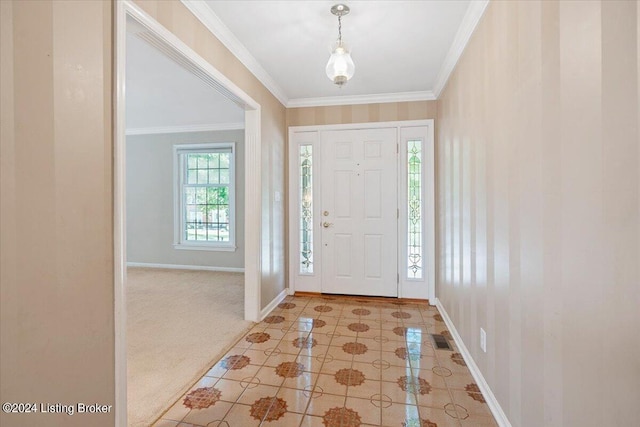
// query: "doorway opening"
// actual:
[[215, 223]]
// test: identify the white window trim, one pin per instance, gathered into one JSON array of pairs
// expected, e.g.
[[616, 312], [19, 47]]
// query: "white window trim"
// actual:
[[424, 134], [178, 199], [303, 280]]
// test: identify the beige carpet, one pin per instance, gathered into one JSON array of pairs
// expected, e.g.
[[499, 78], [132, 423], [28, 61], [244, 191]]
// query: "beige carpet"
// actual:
[[179, 323]]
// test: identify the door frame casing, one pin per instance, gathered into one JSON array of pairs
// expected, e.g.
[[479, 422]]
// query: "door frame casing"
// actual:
[[407, 288], [252, 170]]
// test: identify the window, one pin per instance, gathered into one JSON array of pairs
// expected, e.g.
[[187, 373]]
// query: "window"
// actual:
[[306, 209], [205, 209], [414, 209]]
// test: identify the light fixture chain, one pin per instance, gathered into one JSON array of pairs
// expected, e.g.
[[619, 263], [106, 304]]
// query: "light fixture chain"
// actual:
[[340, 67]]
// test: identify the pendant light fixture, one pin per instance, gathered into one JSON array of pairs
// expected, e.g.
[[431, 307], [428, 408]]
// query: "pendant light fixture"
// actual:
[[340, 67]]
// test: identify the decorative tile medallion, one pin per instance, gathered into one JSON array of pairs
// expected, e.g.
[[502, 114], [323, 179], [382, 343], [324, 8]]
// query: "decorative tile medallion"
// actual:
[[313, 391], [250, 382], [354, 348], [268, 409], [304, 342], [272, 351], [273, 319], [258, 337], [380, 339], [381, 401], [358, 327], [318, 323], [405, 354], [440, 371], [411, 341], [237, 361], [457, 358], [401, 315], [456, 411], [415, 385], [286, 305], [400, 331], [289, 369], [325, 358], [202, 398], [474, 392], [341, 417], [382, 364], [350, 377]]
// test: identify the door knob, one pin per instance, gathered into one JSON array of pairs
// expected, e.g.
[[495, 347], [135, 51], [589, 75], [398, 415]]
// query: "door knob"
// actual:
[[327, 224]]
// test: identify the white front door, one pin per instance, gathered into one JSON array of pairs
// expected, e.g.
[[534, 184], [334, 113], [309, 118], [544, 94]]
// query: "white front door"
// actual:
[[359, 212]]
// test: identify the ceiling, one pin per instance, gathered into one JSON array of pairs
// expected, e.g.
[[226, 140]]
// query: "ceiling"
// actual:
[[402, 50], [162, 96]]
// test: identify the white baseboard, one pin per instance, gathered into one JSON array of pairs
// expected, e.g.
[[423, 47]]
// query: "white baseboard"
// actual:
[[277, 300], [496, 409], [185, 267]]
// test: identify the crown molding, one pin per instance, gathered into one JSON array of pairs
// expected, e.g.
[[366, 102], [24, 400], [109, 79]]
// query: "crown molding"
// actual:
[[378, 98], [467, 26], [213, 23], [185, 129]]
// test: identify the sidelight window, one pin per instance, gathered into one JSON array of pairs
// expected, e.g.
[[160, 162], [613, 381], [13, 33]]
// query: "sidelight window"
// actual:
[[306, 208], [414, 209]]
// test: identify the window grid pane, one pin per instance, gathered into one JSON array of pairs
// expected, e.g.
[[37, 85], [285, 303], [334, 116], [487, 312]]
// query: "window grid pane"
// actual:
[[414, 209], [206, 201], [306, 209]]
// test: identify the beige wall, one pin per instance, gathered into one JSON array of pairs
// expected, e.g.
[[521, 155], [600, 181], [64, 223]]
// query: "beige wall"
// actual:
[[179, 20], [150, 200], [56, 242], [539, 209], [365, 113], [57, 324]]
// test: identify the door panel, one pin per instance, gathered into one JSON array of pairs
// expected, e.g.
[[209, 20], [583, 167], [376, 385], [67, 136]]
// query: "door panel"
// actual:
[[343, 193], [343, 255], [373, 194], [373, 256], [359, 197]]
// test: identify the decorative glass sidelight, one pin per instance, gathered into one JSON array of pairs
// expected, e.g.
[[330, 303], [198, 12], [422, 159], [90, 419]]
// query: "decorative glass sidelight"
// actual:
[[306, 209], [414, 209]]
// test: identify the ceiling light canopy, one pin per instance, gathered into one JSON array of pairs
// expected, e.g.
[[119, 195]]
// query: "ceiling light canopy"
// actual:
[[340, 67]]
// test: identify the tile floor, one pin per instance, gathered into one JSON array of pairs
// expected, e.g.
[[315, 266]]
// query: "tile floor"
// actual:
[[337, 362]]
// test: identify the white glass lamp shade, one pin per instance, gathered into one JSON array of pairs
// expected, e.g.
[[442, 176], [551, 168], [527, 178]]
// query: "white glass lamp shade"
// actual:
[[340, 67]]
